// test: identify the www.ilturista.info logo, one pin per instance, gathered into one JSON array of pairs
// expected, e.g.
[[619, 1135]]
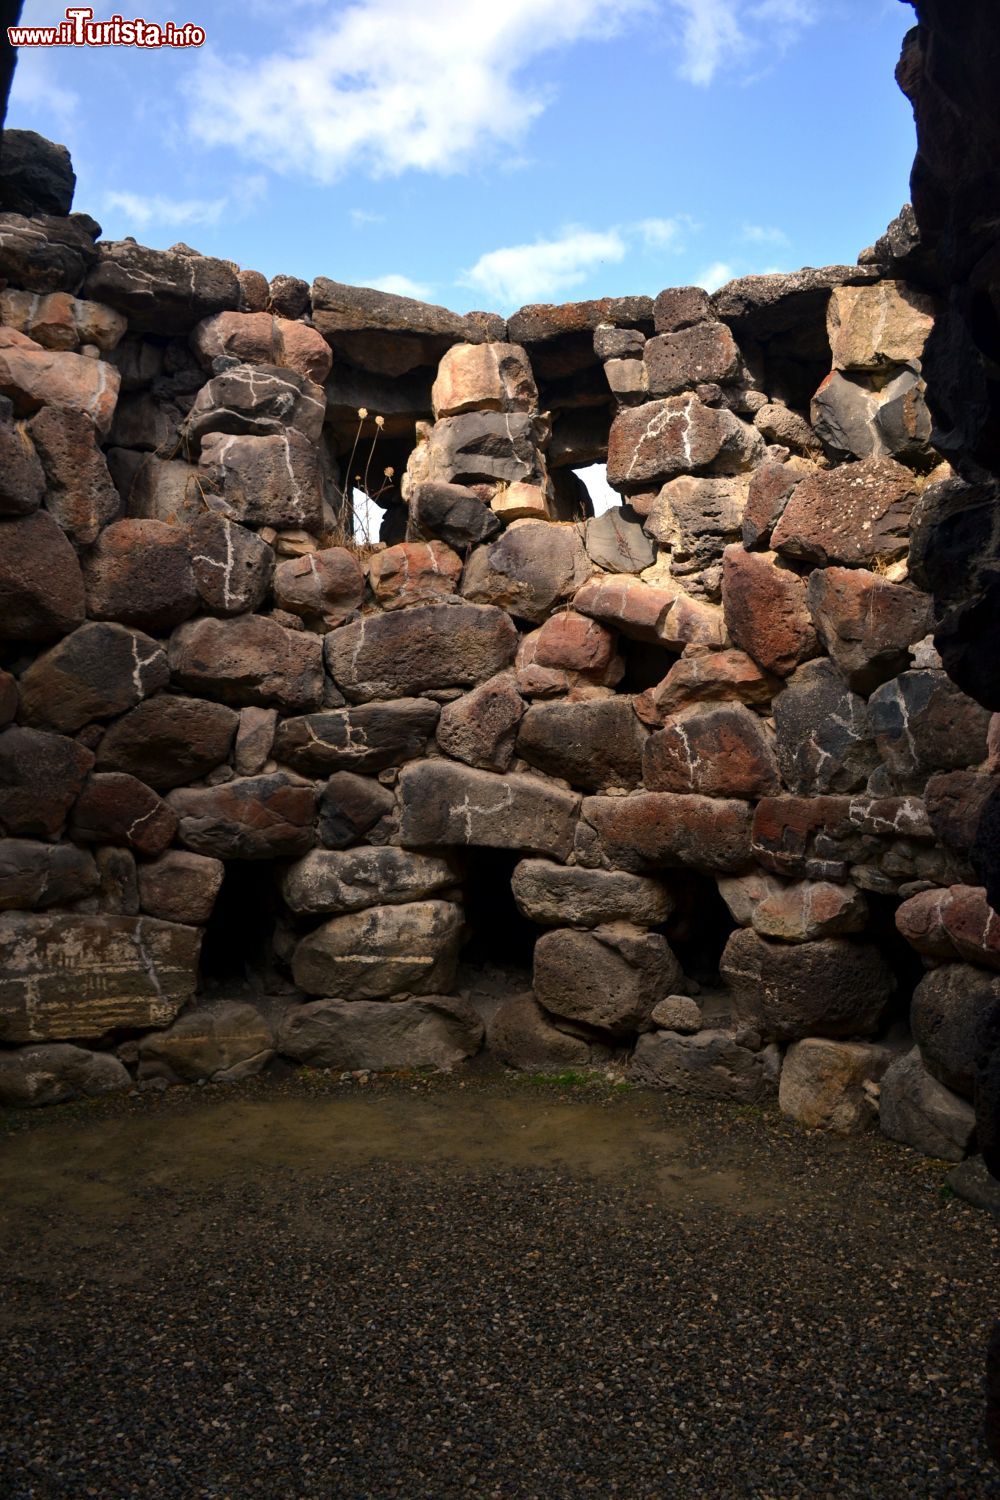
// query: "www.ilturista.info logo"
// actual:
[[81, 30]]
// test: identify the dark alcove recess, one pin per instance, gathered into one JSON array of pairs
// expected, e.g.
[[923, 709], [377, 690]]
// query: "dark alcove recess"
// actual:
[[498, 935], [238, 948], [699, 926]]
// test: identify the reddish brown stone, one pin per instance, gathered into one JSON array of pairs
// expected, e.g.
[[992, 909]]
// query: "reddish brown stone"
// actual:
[[79, 489], [680, 307], [923, 722], [867, 623], [652, 831], [832, 987], [810, 909], [22, 478], [258, 338], [254, 740], [852, 514], [765, 610], [529, 571], [706, 676], [180, 886], [412, 651], [921, 922], [638, 610], [40, 778], [722, 751], [34, 875], [8, 698], [252, 817], [573, 643], [139, 573], [591, 745], [955, 802], [955, 923], [364, 738], [323, 588], [480, 728], [169, 740], [98, 671], [770, 489], [414, 573], [34, 377], [679, 361], [41, 585], [350, 807], [249, 660], [804, 836], [652, 443], [118, 809]]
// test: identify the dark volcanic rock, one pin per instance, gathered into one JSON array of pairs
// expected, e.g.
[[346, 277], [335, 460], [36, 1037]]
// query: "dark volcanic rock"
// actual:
[[480, 728], [452, 514], [447, 804], [232, 566], [97, 672], [824, 737], [432, 1032], [46, 253], [923, 723], [610, 978], [179, 886], [592, 745], [169, 740], [41, 776], [251, 817], [79, 489], [36, 175], [652, 831], [866, 623], [765, 610], [386, 950], [366, 738], [833, 987], [41, 585], [415, 650], [529, 571], [249, 660], [383, 332], [569, 896], [716, 751], [139, 573], [852, 514], [114, 808], [34, 875], [948, 1007], [22, 478], [350, 806], [161, 291]]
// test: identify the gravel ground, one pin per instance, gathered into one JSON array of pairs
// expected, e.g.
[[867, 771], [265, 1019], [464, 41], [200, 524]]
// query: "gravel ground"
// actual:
[[487, 1287]]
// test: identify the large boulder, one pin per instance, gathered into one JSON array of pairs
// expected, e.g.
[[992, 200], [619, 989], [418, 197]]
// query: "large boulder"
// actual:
[[484, 377], [250, 817], [409, 949], [948, 1007], [853, 514], [36, 175], [823, 1083], [169, 740], [653, 831], [411, 651], [720, 750], [592, 745], [520, 1035], [696, 519], [33, 377], [824, 740], [41, 585], [54, 1072], [365, 738], [223, 1042], [702, 354], [35, 875], [41, 776], [260, 338], [139, 573], [114, 808], [436, 1031], [954, 923], [660, 613], [923, 723], [46, 252], [338, 881], [609, 978], [249, 660], [571, 896], [80, 493], [532, 569], [652, 443], [161, 291], [256, 401], [709, 1065], [765, 610], [96, 672], [265, 481], [832, 987], [445, 804], [137, 972], [482, 448], [809, 909], [876, 327], [866, 623], [383, 332], [918, 1111], [568, 653]]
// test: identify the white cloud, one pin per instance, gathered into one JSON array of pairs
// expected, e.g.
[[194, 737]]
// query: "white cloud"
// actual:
[[35, 88], [720, 34], [143, 209], [664, 234], [390, 85], [402, 286], [762, 234], [359, 217], [715, 275], [517, 274]]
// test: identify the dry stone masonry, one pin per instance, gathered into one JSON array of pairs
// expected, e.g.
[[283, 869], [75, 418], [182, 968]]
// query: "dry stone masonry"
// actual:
[[266, 789]]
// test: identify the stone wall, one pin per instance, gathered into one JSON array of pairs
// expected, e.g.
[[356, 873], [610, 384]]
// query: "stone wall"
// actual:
[[717, 707]]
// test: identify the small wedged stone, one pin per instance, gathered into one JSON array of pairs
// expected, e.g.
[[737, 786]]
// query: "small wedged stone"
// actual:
[[831, 987], [98, 671], [617, 541], [918, 1111], [338, 881], [609, 977], [810, 909], [221, 1042], [180, 886], [364, 738], [428, 647], [706, 676], [571, 896], [445, 804], [248, 660], [52, 1073], [436, 1031], [382, 951], [250, 817]]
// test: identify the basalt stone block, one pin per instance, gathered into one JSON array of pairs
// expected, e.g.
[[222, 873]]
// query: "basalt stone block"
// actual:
[[955, 803], [655, 613], [324, 587], [249, 660], [139, 573], [55, 1072], [382, 951], [903, 423], [592, 745], [328, 880], [251, 817], [254, 740], [652, 443], [484, 448], [713, 751], [414, 573], [529, 571], [696, 519], [765, 610], [161, 291], [365, 739], [33, 377], [567, 652], [34, 875], [923, 723], [784, 428], [180, 886], [256, 401], [167, 741], [259, 338], [383, 332], [480, 728], [768, 493], [677, 1013], [609, 978], [99, 671], [222, 1042], [158, 489], [616, 541], [484, 377], [948, 1008], [844, 411], [824, 735], [434, 1032], [265, 481], [918, 1111], [46, 252], [832, 987], [41, 585], [22, 478], [704, 353], [114, 808], [680, 307], [709, 1065], [41, 776], [873, 327], [65, 976], [808, 910], [520, 1035], [793, 835], [451, 513], [954, 923], [652, 831], [743, 893], [570, 896], [350, 807], [851, 515], [412, 651], [445, 804], [866, 623], [36, 175], [706, 676], [232, 567], [80, 493], [823, 1083]]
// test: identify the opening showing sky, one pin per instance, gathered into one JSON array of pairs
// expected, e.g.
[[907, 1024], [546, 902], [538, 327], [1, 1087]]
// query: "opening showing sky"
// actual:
[[489, 153]]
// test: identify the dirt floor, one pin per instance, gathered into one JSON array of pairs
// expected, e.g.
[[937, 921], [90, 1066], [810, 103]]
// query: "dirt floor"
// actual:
[[481, 1286]]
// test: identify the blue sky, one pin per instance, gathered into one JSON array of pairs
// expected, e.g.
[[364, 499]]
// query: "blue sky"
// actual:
[[488, 153]]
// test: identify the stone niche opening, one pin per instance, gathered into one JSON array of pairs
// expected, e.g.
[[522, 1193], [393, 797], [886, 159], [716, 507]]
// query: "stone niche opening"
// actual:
[[498, 935], [699, 927], [242, 936]]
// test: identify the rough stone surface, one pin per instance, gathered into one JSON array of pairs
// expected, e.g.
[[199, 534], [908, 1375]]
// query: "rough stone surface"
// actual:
[[617, 542], [161, 291], [765, 610], [652, 831], [254, 740], [433, 1032], [41, 776], [35, 875], [249, 660], [713, 751], [592, 745], [531, 569], [452, 513], [609, 978], [709, 1065], [54, 1072], [180, 886], [351, 806], [480, 728], [33, 377], [139, 574], [696, 518], [954, 923], [701, 354], [567, 653], [265, 481], [167, 740], [851, 515], [385, 950], [414, 573], [823, 1083], [115, 808], [824, 738], [97, 672], [917, 1111], [366, 738], [484, 377], [232, 566], [866, 624], [872, 327], [446, 804], [251, 817], [412, 651], [810, 909], [79, 489], [139, 972], [922, 722], [41, 585], [520, 1035], [653, 443], [570, 896], [351, 880], [324, 588], [767, 495], [222, 1042], [706, 676], [259, 338], [677, 1013], [832, 987], [948, 1007]]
